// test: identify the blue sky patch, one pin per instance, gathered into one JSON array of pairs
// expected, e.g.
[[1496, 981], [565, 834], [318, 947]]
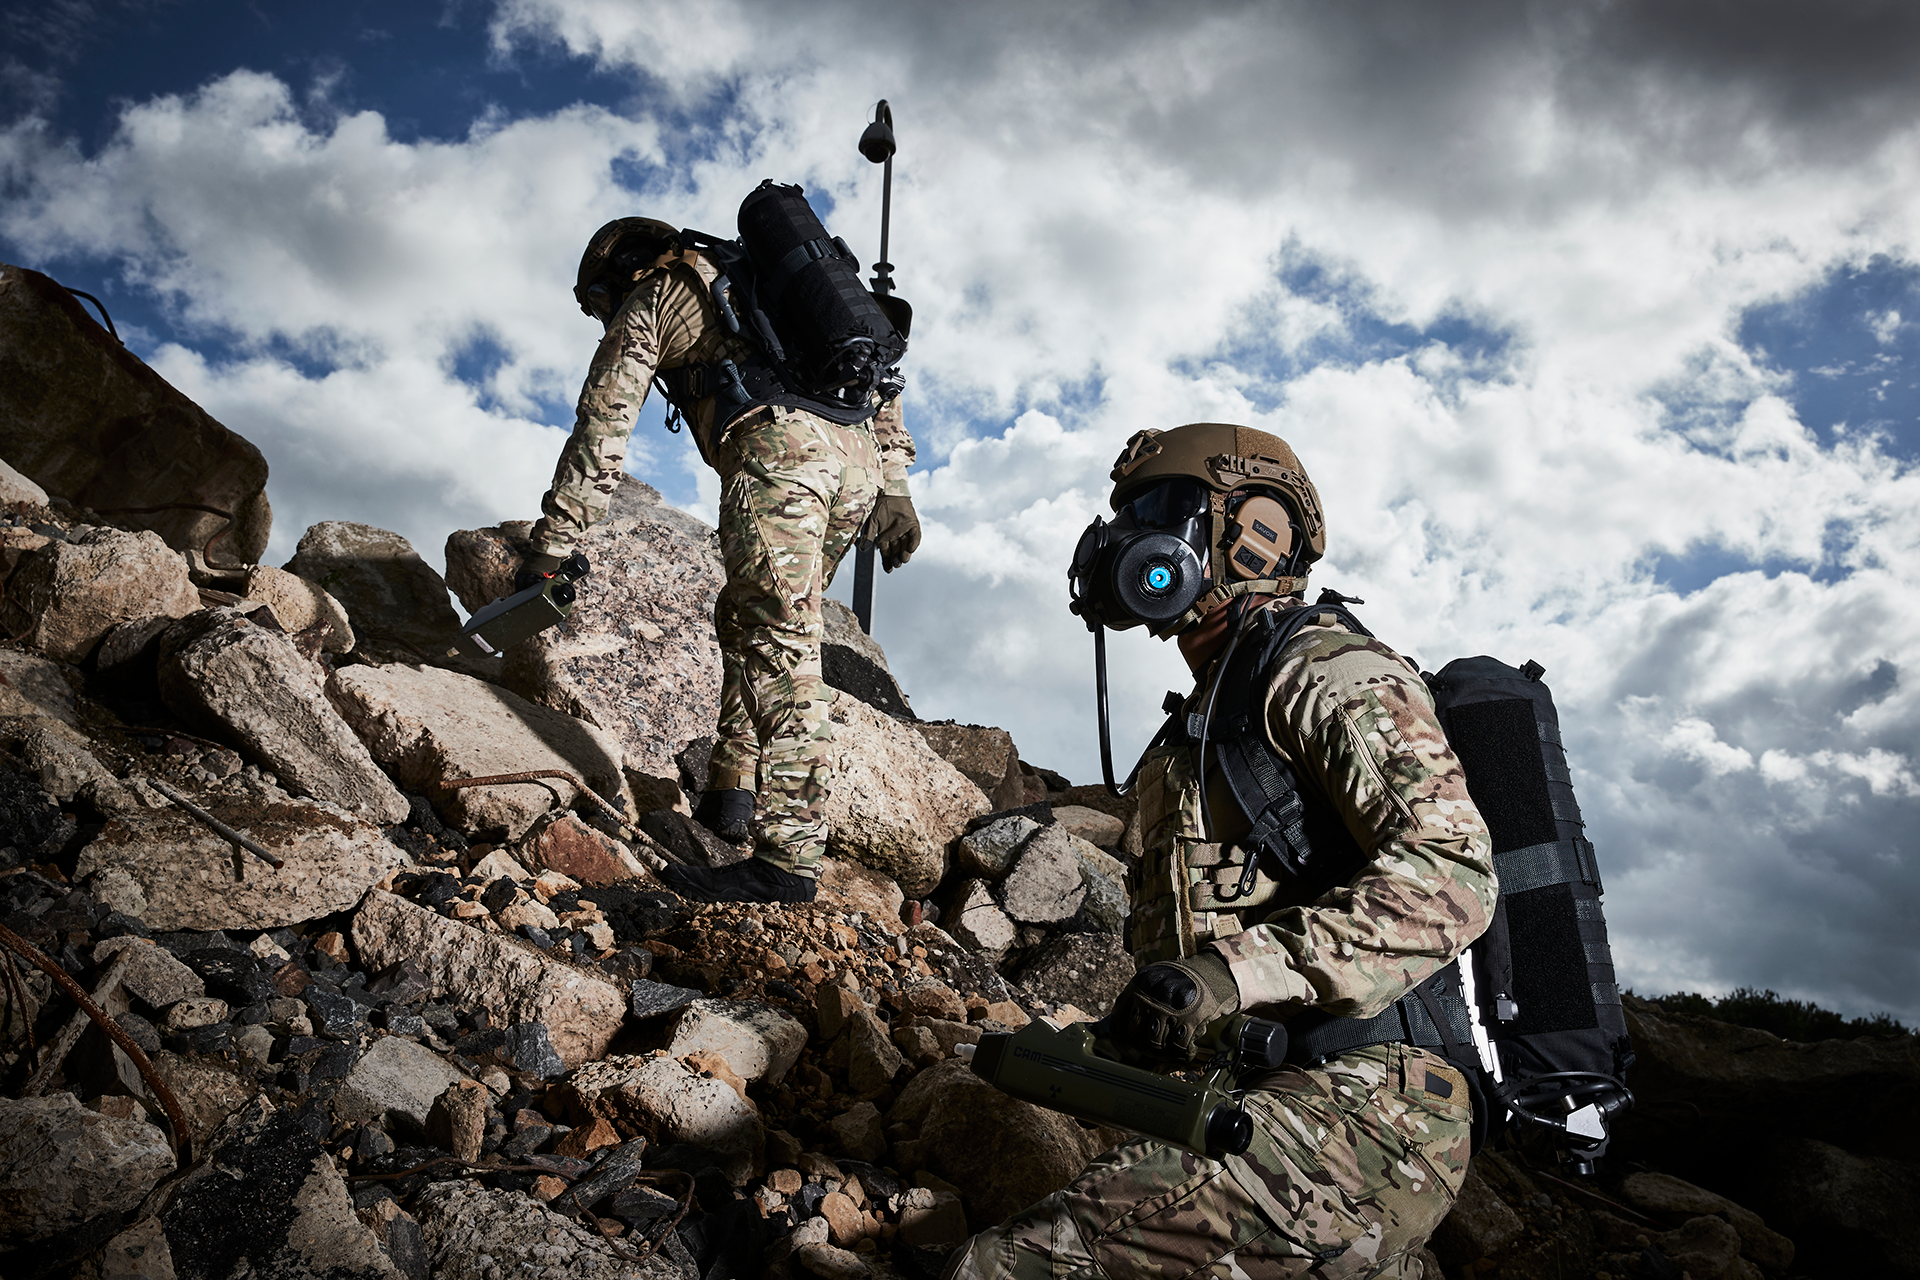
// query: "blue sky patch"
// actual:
[[1362, 336], [1851, 346]]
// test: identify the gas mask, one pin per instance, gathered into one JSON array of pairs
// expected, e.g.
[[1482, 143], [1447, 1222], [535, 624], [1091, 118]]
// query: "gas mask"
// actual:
[[1149, 565]]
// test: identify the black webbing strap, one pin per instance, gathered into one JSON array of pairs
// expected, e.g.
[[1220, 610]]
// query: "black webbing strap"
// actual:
[[1539, 865], [1432, 1015], [791, 261], [1264, 789]]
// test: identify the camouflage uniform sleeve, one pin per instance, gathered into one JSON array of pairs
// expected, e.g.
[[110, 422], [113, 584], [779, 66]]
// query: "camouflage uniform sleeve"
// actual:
[[896, 447], [617, 381], [1361, 726]]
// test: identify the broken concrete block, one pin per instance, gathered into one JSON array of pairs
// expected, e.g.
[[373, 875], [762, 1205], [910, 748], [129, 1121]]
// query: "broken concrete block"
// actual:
[[64, 597], [662, 1099], [432, 726], [895, 805], [394, 1083], [88, 421], [167, 868], [989, 851], [251, 686], [975, 920], [32, 686], [301, 607], [986, 755], [1046, 884], [62, 1163], [872, 1059], [1102, 830], [849, 886], [396, 602], [471, 1232], [1085, 969], [562, 842], [153, 975], [509, 979], [758, 1041]]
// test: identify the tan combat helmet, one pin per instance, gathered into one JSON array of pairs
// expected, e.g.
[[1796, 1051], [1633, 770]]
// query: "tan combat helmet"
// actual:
[[614, 255], [1229, 459]]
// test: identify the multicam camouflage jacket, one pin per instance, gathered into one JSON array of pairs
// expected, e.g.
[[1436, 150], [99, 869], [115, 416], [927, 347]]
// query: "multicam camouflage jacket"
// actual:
[[668, 321], [1356, 722]]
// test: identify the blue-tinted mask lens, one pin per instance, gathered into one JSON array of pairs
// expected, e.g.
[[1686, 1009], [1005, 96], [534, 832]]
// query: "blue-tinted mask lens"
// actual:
[[1167, 505]]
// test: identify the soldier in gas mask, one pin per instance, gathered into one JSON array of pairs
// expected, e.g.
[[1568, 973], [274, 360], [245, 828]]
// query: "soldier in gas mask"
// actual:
[[1311, 855], [799, 480]]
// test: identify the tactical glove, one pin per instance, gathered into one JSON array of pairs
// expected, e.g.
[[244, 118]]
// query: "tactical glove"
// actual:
[[1168, 1006], [894, 529], [536, 568]]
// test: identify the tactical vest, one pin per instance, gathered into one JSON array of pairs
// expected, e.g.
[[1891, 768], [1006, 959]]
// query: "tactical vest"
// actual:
[[1189, 889]]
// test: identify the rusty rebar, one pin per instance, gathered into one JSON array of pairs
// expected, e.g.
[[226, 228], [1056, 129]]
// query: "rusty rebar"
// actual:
[[257, 850], [530, 775], [182, 1135]]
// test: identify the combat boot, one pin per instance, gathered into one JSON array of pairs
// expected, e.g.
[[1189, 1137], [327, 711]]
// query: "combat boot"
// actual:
[[726, 814], [755, 880]]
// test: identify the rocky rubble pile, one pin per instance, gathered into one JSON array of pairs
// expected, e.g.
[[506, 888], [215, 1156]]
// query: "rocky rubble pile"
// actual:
[[457, 1030], [361, 1015]]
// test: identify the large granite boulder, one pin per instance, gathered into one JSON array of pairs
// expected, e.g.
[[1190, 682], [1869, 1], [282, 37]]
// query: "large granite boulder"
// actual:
[[91, 423], [638, 657]]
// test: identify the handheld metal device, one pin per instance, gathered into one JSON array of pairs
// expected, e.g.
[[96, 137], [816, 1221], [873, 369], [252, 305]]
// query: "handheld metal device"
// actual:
[[511, 619], [1060, 1069]]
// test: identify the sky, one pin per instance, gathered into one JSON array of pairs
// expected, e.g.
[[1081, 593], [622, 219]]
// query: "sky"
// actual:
[[1595, 323]]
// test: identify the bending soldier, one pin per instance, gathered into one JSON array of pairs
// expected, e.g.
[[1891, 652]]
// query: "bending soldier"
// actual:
[[1333, 914], [796, 489]]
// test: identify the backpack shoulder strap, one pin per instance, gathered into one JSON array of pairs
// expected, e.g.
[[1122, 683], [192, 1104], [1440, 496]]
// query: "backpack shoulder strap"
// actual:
[[1265, 785]]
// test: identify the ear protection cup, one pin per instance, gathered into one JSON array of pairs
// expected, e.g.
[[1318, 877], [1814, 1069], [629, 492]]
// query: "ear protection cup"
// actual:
[[1259, 538]]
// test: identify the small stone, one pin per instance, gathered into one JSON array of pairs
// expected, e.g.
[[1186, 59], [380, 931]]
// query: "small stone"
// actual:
[[843, 1219], [546, 1187], [203, 1011], [785, 1181], [587, 1139], [860, 1131], [462, 1110]]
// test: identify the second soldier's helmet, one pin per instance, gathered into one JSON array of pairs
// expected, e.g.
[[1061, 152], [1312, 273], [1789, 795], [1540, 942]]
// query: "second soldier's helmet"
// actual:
[[1208, 509], [614, 255]]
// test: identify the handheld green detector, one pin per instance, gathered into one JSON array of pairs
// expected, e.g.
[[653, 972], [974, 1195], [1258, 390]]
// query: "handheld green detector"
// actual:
[[1058, 1068], [511, 619]]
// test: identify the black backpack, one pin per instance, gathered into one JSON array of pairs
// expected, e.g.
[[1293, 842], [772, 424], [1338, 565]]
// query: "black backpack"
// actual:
[[1547, 1003], [1530, 1013], [794, 292]]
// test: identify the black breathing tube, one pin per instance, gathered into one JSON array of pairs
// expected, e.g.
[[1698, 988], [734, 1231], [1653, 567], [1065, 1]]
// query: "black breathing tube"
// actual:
[[1206, 715]]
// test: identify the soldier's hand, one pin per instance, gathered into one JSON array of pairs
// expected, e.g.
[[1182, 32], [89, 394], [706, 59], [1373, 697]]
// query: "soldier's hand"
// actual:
[[536, 568], [894, 529], [1166, 1008]]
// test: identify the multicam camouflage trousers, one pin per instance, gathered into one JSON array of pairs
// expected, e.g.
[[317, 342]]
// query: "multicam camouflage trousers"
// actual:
[[1353, 1165], [795, 490]]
